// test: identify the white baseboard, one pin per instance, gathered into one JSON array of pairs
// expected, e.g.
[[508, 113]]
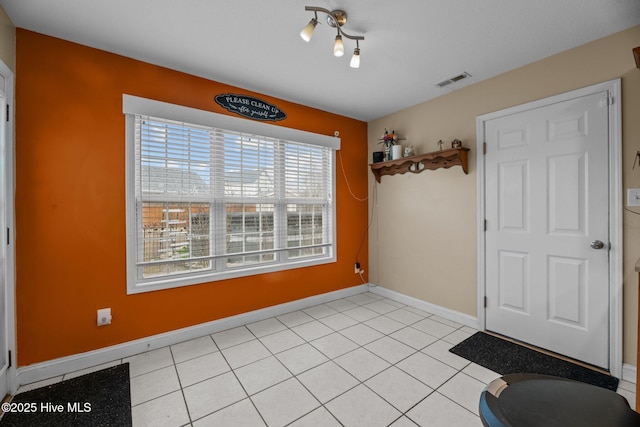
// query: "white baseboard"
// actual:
[[629, 373], [64, 365], [446, 313]]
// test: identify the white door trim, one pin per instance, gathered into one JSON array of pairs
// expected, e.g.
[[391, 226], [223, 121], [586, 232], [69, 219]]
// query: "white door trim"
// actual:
[[615, 207], [9, 183]]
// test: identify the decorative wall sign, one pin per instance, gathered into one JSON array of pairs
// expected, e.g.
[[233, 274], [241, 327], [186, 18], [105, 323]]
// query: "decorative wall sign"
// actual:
[[250, 107]]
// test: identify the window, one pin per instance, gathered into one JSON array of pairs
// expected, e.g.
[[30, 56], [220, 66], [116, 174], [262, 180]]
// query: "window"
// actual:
[[212, 197]]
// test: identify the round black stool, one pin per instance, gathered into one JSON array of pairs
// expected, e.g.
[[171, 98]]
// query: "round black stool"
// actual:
[[533, 400]]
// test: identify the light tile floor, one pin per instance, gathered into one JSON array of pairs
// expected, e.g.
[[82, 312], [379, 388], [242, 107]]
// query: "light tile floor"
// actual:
[[358, 361]]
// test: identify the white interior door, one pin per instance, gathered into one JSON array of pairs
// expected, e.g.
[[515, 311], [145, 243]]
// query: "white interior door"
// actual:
[[546, 209]]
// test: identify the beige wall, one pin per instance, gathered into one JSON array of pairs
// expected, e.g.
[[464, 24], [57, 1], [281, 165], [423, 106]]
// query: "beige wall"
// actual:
[[423, 233], [7, 41]]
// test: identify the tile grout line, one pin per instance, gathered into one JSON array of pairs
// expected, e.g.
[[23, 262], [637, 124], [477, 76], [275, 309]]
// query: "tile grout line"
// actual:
[[239, 382], [184, 398]]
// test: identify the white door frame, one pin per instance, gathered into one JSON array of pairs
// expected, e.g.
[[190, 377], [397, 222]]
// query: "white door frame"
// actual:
[[615, 207], [9, 188]]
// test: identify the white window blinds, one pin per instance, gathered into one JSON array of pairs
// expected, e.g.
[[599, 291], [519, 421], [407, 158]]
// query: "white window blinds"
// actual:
[[213, 203]]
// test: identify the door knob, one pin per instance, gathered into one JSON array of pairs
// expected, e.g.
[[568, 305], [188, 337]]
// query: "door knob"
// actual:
[[597, 244]]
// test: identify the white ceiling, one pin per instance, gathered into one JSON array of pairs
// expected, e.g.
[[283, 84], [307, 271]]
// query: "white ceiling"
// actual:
[[409, 44]]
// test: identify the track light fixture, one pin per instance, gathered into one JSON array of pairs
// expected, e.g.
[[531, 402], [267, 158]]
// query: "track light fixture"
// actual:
[[307, 31], [338, 47], [355, 59], [335, 19]]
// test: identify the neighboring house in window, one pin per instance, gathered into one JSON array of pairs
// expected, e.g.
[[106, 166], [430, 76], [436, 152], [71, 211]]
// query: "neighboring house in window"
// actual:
[[248, 183]]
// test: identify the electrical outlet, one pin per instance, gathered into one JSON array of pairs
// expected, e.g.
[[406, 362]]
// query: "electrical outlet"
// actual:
[[356, 268], [633, 197], [104, 316]]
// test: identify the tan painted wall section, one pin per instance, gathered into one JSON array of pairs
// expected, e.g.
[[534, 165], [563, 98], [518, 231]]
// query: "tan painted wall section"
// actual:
[[7, 41], [423, 233]]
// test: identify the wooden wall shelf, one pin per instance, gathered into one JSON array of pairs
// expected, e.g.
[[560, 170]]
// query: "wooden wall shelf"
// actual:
[[422, 162]]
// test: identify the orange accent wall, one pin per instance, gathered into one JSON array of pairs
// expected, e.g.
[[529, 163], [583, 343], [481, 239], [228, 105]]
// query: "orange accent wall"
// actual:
[[70, 203]]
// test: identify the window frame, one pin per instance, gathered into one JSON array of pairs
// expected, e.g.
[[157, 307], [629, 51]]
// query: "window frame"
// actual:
[[132, 106]]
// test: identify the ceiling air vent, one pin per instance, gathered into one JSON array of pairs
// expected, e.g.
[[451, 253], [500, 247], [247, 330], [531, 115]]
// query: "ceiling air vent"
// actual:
[[455, 79]]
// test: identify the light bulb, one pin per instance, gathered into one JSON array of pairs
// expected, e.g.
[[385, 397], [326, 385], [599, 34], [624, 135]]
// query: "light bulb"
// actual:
[[355, 59], [307, 31], [338, 47]]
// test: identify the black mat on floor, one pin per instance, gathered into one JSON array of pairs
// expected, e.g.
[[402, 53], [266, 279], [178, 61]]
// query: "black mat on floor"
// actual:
[[101, 398], [506, 357]]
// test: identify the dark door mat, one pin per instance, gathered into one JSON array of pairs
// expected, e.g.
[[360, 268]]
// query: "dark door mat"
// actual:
[[100, 398], [506, 357]]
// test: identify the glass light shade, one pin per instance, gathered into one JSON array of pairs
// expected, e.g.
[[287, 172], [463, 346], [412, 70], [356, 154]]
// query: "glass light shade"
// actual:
[[338, 47], [307, 31], [355, 59]]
